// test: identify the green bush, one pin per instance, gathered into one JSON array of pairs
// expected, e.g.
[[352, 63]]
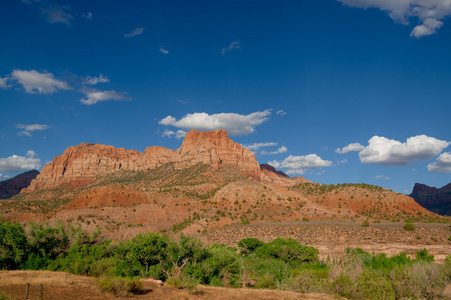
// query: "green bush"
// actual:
[[366, 223], [119, 286], [423, 255], [289, 250], [13, 245], [277, 269], [373, 285], [409, 226], [306, 282], [343, 286], [249, 245]]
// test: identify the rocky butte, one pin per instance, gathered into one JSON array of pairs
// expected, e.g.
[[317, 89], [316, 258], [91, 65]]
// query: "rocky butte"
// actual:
[[89, 161]]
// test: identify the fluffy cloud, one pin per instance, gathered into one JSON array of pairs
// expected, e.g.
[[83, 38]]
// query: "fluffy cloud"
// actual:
[[381, 150], [178, 135], [281, 150], [93, 96], [16, 163], [57, 15], [30, 128], [233, 45], [281, 113], [234, 124], [300, 164], [442, 165], [44, 83], [94, 80], [429, 12], [350, 147], [137, 31]]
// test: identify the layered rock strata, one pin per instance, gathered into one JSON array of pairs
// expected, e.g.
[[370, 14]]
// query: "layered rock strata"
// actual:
[[90, 161]]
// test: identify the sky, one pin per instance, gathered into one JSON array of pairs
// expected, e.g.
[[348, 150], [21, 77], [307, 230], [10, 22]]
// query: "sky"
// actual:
[[336, 91]]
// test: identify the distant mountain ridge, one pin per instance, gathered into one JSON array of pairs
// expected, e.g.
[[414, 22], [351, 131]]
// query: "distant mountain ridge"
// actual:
[[13, 186], [437, 200]]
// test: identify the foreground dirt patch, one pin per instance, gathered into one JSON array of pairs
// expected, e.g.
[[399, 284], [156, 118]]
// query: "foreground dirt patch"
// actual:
[[60, 286]]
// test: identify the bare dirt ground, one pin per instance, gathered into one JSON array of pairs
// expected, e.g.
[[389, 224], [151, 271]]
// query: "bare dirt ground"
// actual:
[[59, 287]]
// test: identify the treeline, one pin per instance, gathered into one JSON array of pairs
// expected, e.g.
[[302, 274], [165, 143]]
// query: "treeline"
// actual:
[[184, 262]]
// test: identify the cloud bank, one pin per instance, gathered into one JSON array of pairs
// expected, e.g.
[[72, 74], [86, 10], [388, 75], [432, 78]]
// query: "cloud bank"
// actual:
[[386, 152], [429, 12], [16, 163], [234, 124], [300, 164]]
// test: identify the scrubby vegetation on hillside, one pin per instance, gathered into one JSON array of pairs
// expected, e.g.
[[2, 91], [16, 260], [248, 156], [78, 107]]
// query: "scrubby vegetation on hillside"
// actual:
[[184, 262]]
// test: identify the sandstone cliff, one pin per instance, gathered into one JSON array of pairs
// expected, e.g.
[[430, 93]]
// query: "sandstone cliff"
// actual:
[[13, 186], [90, 161], [433, 199]]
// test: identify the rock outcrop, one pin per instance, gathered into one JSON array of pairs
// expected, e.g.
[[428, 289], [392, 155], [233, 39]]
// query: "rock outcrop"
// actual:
[[13, 186], [269, 173], [90, 161], [432, 198]]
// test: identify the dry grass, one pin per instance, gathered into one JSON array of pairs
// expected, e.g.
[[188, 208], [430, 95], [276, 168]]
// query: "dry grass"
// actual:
[[43, 277]]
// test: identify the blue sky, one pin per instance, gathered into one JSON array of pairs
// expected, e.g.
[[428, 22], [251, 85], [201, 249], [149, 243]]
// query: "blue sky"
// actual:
[[334, 90]]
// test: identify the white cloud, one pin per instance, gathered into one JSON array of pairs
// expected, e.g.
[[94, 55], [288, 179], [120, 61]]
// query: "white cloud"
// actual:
[[233, 45], [281, 113], [281, 150], [381, 177], [3, 83], [178, 135], [88, 16], [30, 128], [256, 146], [44, 83], [94, 96], [429, 12], [234, 124], [351, 147], [57, 15], [386, 152], [300, 164], [16, 163], [442, 165], [136, 31], [343, 161], [94, 80], [182, 101], [162, 50]]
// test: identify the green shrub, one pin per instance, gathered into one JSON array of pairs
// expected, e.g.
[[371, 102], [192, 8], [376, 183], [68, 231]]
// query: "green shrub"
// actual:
[[343, 286], [277, 269], [289, 250], [423, 255], [13, 245], [373, 285], [409, 226], [249, 245], [119, 286], [3, 296], [366, 223]]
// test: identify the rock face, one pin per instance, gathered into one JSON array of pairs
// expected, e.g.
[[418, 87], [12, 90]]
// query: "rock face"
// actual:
[[13, 186], [433, 199], [269, 173], [90, 161]]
